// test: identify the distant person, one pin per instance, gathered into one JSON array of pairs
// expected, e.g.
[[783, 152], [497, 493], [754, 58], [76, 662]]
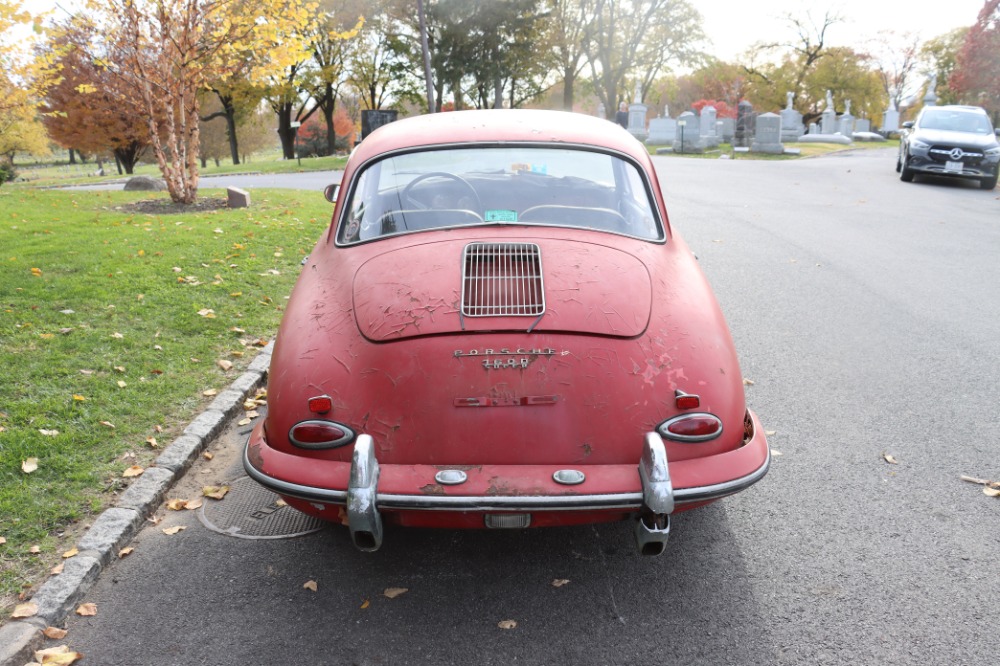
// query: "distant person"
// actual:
[[622, 116]]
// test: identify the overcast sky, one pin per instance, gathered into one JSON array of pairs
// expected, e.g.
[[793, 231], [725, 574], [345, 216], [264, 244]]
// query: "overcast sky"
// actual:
[[734, 25]]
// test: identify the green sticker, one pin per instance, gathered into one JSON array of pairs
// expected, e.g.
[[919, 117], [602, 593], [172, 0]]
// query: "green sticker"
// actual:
[[501, 216]]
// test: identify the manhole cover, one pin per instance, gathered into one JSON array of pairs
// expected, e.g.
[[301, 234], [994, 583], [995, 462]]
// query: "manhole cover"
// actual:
[[249, 511]]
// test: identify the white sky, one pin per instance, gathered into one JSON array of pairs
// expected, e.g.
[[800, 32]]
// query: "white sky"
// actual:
[[734, 25]]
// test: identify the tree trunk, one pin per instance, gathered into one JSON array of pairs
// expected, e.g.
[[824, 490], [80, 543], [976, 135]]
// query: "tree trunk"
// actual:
[[118, 163], [234, 148], [72, 156], [569, 78], [286, 132]]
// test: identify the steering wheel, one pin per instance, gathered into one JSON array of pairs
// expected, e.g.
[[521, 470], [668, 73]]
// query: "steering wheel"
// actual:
[[407, 193]]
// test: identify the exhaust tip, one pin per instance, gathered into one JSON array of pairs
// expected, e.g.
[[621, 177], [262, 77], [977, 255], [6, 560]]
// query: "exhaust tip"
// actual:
[[651, 533]]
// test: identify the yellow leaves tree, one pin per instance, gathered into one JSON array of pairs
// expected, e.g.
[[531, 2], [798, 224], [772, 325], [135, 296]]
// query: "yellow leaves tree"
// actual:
[[170, 50], [20, 129]]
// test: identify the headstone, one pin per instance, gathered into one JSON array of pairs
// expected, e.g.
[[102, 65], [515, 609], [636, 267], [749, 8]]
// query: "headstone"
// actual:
[[791, 121], [728, 129], [144, 184], [744, 125], [890, 119], [662, 132], [688, 139], [637, 120], [767, 135], [828, 121], [829, 101], [708, 128], [845, 124], [813, 129], [237, 198], [372, 119], [862, 125]]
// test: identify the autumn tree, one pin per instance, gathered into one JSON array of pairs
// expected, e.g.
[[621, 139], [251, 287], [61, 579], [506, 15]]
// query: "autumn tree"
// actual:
[[21, 83], [896, 59], [976, 77], [170, 50], [938, 56], [88, 108], [380, 61], [566, 37]]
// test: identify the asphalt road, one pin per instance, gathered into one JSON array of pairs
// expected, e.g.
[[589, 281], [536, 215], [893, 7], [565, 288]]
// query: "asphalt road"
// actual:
[[865, 311]]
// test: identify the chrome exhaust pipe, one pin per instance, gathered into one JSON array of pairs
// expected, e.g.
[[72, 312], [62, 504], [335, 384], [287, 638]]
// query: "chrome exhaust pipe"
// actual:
[[363, 517], [651, 533]]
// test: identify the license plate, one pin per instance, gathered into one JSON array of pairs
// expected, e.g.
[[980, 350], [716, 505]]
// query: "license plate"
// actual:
[[953, 166]]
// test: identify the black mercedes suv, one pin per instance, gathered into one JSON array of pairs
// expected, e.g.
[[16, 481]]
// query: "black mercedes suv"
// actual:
[[956, 141]]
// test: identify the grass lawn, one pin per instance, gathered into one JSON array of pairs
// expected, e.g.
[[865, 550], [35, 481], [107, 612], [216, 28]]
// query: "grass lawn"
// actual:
[[111, 325], [806, 150], [60, 174]]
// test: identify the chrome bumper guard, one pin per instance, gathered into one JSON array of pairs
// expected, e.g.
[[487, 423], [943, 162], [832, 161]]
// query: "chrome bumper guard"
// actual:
[[652, 527], [363, 517]]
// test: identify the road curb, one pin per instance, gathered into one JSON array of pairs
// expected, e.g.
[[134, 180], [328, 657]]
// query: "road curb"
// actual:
[[117, 525]]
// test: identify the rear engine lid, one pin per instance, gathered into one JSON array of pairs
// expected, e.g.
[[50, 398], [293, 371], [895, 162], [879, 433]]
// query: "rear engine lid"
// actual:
[[550, 285]]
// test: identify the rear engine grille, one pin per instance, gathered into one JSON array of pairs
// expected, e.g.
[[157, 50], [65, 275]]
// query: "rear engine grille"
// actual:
[[502, 280]]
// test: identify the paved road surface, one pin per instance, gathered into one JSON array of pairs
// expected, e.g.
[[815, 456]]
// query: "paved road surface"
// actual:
[[865, 311]]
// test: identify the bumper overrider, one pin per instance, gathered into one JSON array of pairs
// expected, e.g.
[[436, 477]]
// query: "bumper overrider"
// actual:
[[363, 490]]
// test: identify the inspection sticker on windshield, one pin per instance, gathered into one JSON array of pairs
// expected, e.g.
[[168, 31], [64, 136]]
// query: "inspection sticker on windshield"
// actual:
[[501, 216]]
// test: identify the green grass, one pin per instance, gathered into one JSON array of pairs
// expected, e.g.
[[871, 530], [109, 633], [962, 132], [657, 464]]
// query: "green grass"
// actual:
[[92, 295], [806, 150], [42, 174]]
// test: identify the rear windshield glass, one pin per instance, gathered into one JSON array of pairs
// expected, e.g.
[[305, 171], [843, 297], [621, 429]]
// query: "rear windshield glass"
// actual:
[[493, 186]]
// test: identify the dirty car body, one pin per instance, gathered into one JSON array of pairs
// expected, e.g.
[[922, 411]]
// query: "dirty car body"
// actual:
[[501, 330]]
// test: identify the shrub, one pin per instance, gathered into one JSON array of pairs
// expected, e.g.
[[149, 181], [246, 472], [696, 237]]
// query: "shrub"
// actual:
[[7, 172]]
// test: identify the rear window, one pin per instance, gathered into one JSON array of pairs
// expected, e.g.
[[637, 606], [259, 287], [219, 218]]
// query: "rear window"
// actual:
[[558, 187]]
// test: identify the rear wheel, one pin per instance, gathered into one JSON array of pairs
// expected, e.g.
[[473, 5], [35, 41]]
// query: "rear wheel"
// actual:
[[988, 183]]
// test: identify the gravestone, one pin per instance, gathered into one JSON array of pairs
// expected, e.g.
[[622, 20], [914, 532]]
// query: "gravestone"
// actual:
[[931, 98], [862, 125], [708, 129], [637, 120], [372, 119], [744, 125], [813, 129], [728, 129], [791, 121], [688, 139], [662, 132], [890, 119], [237, 198], [601, 111], [828, 122], [767, 135]]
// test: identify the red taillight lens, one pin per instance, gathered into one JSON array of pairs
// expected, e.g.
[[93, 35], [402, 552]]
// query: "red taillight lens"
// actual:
[[686, 400], [321, 404], [692, 428], [320, 435]]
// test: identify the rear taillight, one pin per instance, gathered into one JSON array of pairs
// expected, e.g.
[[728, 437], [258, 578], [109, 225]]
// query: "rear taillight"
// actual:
[[320, 404], [320, 434], [691, 428]]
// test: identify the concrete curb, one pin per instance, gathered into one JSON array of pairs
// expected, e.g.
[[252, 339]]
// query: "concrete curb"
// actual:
[[117, 525]]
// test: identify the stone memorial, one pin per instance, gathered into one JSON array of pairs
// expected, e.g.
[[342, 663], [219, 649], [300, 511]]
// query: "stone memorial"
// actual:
[[931, 98], [767, 135], [890, 119], [845, 124], [709, 131], [791, 121], [727, 129], [662, 131], [688, 139], [862, 125], [743, 135]]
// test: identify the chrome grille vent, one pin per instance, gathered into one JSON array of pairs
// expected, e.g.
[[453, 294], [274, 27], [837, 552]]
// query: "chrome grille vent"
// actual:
[[502, 280]]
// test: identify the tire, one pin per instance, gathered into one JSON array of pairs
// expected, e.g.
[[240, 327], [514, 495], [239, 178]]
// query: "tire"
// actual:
[[905, 173], [899, 163], [988, 183]]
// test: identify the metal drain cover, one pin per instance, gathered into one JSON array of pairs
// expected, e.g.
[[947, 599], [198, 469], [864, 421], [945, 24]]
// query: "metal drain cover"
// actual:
[[249, 511]]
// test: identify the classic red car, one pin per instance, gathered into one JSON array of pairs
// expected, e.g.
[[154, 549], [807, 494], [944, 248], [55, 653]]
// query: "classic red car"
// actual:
[[501, 330]]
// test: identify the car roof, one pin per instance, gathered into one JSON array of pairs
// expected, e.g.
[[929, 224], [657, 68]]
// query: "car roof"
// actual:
[[500, 126]]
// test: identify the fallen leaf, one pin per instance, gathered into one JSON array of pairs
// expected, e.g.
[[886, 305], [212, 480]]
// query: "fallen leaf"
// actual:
[[194, 504], [889, 459], [72, 552], [37, 272], [253, 414], [208, 455], [30, 465], [48, 433], [46, 336], [249, 404], [207, 313], [310, 585], [67, 311], [133, 471], [176, 504], [121, 384], [3, 540], [366, 604], [108, 424], [224, 364], [54, 633], [87, 610], [559, 582], [507, 624], [747, 382], [152, 442], [215, 492], [209, 393], [280, 503], [34, 550], [775, 452], [86, 372], [125, 552], [393, 592], [117, 336], [991, 492], [25, 610], [243, 422], [174, 530], [79, 398], [57, 656], [57, 569], [157, 347], [65, 331], [769, 432]]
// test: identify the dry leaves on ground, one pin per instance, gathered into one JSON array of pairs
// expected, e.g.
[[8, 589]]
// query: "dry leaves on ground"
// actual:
[[507, 624], [890, 459], [87, 610], [29, 609], [133, 471], [174, 530], [57, 656], [30, 465], [393, 592], [310, 585], [55, 633], [559, 582], [215, 492]]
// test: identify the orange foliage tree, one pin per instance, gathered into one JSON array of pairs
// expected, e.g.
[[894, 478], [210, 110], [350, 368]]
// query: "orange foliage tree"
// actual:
[[976, 76]]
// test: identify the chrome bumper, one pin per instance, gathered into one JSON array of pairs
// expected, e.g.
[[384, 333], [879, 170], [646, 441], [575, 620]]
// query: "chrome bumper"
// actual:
[[654, 503]]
